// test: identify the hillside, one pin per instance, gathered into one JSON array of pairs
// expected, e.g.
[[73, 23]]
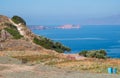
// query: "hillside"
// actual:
[[15, 36], [26, 55]]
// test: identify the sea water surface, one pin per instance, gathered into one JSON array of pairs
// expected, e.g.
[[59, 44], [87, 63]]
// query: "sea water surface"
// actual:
[[88, 37]]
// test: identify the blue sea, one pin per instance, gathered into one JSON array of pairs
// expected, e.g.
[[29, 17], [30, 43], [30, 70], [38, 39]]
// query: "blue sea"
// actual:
[[88, 37]]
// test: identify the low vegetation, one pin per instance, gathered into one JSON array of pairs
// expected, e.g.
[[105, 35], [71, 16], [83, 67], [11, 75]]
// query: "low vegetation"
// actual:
[[18, 20], [101, 54], [91, 65], [13, 31], [10, 26], [49, 44], [46, 59]]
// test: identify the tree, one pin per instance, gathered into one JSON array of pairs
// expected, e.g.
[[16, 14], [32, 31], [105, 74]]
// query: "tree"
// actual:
[[18, 20]]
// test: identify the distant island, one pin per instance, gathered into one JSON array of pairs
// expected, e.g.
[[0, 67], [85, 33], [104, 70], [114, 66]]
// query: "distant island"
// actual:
[[69, 26], [66, 26]]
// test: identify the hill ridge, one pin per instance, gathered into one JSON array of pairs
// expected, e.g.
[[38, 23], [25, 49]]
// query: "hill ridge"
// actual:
[[14, 31]]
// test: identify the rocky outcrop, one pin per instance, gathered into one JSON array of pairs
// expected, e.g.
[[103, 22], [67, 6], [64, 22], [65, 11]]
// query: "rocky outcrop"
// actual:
[[3, 20], [24, 31], [4, 35], [7, 42]]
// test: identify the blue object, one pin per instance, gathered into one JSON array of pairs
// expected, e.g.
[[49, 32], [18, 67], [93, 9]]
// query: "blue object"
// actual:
[[110, 70], [114, 70]]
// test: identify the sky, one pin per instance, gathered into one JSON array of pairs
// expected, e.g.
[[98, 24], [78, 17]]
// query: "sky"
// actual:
[[56, 12]]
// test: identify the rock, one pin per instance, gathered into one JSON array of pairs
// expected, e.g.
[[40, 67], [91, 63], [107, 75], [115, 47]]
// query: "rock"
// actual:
[[4, 35]]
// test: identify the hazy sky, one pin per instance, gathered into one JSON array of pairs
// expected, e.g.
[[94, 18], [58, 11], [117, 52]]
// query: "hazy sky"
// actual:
[[46, 12]]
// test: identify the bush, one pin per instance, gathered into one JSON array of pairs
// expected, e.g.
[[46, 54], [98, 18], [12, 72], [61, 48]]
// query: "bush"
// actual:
[[49, 44], [18, 20], [83, 53], [101, 54], [91, 54], [14, 33]]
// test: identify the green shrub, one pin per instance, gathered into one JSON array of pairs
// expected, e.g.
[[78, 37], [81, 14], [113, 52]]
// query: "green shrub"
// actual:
[[49, 44], [18, 20], [91, 54], [14, 33], [83, 53], [101, 54]]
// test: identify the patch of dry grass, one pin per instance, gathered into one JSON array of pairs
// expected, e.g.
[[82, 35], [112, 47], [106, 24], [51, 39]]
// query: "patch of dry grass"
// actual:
[[33, 58], [45, 57], [91, 65]]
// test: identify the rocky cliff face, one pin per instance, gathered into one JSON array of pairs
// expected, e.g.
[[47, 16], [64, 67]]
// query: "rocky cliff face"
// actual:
[[4, 35]]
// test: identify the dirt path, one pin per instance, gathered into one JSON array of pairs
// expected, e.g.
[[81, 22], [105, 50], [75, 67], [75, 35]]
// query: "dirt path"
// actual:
[[14, 68]]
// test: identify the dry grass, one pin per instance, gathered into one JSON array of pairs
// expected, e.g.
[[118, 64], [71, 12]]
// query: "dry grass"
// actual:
[[36, 58], [45, 57], [91, 65]]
